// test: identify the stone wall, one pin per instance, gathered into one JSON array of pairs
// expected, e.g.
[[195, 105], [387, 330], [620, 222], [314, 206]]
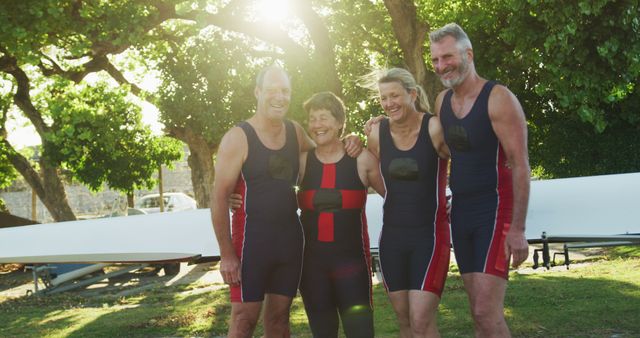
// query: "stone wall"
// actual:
[[87, 204]]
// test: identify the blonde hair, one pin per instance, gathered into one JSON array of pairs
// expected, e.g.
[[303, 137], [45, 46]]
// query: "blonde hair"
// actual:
[[401, 76]]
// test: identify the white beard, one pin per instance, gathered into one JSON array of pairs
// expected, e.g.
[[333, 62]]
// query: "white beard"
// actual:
[[463, 71]]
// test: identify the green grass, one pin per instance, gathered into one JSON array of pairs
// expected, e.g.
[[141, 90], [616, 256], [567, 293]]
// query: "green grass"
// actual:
[[601, 299]]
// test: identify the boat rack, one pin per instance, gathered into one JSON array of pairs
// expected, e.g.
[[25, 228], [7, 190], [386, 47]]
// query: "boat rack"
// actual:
[[75, 276], [576, 242]]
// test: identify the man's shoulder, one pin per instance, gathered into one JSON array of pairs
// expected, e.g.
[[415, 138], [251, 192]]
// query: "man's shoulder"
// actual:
[[499, 90], [234, 137]]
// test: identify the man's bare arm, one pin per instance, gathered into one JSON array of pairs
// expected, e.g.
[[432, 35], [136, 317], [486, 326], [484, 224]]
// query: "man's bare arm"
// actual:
[[229, 159], [509, 123], [369, 172], [305, 142], [437, 137], [373, 140]]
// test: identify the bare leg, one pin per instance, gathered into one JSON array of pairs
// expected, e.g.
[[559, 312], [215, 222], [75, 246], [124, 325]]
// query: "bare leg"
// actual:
[[276, 316], [244, 317], [486, 298], [423, 307], [400, 303]]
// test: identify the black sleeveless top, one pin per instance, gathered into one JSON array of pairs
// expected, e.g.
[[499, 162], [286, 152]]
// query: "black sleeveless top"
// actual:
[[268, 180], [411, 179], [477, 159]]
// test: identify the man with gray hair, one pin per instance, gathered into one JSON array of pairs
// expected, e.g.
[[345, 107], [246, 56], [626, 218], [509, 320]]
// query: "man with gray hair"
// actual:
[[485, 129]]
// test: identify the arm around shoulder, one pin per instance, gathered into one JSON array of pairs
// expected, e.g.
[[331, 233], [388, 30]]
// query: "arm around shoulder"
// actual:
[[437, 138], [439, 100], [305, 142], [373, 140], [369, 172]]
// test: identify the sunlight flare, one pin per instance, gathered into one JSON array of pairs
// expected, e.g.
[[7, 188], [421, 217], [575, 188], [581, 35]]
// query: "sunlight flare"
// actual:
[[272, 10]]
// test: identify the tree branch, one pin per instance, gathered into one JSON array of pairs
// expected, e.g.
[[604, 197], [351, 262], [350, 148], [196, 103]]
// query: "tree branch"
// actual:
[[119, 77], [257, 30], [22, 97], [324, 53]]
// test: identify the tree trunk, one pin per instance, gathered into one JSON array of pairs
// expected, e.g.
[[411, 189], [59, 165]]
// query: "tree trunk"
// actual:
[[411, 35], [55, 197], [201, 163], [49, 188], [130, 201], [202, 173]]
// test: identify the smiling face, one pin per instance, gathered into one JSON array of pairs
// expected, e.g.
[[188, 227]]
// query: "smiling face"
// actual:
[[323, 127], [450, 63], [274, 94], [396, 101]]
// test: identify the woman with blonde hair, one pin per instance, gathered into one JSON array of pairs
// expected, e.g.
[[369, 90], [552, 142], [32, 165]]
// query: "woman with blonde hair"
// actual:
[[414, 242]]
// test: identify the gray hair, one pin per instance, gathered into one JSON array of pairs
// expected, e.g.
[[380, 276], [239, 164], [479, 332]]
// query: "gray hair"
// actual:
[[265, 70], [401, 76], [454, 30]]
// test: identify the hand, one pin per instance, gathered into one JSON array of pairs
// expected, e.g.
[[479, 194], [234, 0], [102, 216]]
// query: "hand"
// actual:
[[368, 126], [235, 202], [353, 145], [230, 270], [516, 246]]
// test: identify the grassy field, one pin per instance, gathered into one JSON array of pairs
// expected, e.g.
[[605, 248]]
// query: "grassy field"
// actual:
[[597, 299]]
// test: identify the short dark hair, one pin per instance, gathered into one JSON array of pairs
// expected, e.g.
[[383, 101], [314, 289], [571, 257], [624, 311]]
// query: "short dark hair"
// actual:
[[328, 101]]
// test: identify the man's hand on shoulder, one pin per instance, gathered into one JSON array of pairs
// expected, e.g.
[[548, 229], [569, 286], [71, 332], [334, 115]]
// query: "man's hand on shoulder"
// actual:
[[353, 145], [368, 126]]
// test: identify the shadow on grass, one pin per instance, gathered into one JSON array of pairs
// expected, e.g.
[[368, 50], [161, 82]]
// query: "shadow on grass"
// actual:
[[552, 306], [540, 305]]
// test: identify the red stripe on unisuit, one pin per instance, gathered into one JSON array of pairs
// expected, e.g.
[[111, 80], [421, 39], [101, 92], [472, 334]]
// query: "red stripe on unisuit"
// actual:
[[238, 225], [328, 176], [305, 199], [498, 263], [325, 227], [353, 199], [325, 219]]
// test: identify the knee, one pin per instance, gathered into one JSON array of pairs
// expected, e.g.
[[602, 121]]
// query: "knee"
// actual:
[[242, 327], [421, 324], [484, 314], [403, 319], [276, 319]]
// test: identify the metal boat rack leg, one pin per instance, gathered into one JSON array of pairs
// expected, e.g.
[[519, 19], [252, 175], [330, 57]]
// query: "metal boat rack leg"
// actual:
[[74, 284]]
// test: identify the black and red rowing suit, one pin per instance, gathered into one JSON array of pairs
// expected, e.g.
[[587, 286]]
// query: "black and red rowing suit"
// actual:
[[481, 187], [336, 278], [414, 244], [266, 231]]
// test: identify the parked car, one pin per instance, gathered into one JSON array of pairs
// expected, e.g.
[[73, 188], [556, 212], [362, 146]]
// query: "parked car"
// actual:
[[173, 201]]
